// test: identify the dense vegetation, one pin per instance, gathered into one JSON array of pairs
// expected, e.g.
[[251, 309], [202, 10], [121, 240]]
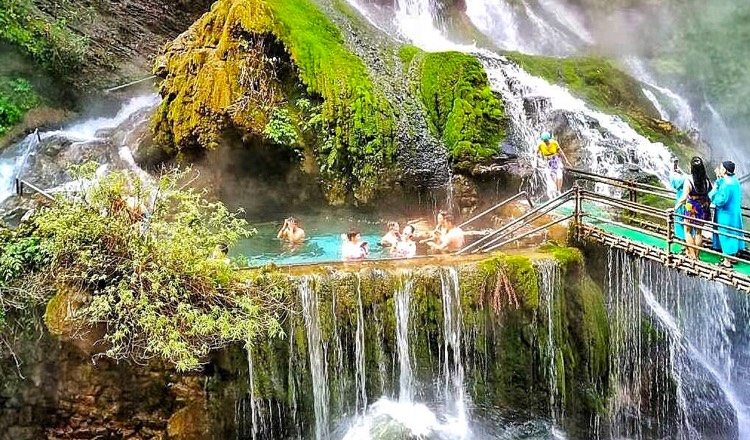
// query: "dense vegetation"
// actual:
[[151, 284], [17, 96], [48, 41]]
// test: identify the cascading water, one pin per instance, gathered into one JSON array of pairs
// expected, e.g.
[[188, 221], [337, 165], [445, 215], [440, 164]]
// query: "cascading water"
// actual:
[[251, 384], [453, 367], [675, 336], [403, 311], [606, 144], [550, 283], [361, 377], [318, 359], [86, 140]]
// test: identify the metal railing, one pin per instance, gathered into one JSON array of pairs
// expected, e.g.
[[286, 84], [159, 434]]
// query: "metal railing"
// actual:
[[586, 219]]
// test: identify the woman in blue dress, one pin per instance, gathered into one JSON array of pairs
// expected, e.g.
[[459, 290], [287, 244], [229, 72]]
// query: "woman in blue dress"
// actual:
[[727, 200], [677, 181], [697, 206]]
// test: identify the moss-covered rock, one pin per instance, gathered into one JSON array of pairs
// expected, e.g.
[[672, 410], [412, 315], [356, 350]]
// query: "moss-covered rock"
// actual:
[[608, 89], [462, 109], [245, 58]]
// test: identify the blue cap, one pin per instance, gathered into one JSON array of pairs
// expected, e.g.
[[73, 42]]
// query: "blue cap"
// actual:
[[546, 136]]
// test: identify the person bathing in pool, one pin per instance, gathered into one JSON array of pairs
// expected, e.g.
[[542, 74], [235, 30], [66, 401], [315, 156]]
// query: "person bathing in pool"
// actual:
[[451, 240], [392, 237], [353, 248], [291, 231], [406, 247]]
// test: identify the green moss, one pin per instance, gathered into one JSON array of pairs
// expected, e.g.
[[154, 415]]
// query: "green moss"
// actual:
[[608, 89], [204, 96], [407, 53], [462, 109]]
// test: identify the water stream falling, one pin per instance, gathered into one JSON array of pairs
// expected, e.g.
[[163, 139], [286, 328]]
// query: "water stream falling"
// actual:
[[74, 143], [675, 335], [605, 143], [550, 283], [361, 377], [453, 367], [318, 359], [403, 311], [253, 402]]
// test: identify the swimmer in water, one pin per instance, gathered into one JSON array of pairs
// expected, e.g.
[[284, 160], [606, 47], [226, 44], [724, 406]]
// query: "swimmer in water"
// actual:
[[392, 237], [291, 231], [353, 248]]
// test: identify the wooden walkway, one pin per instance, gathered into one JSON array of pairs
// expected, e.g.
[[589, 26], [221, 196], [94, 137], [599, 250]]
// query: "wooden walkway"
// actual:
[[619, 221]]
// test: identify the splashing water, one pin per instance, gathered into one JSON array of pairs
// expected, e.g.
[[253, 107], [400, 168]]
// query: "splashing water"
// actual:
[[696, 360], [88, 130], [318, 358]]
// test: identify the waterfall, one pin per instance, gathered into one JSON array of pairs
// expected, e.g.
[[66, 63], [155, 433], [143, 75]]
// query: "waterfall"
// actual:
[[550, 283], [608, 145], [338, 358], [694, 359], [403, 310], [453, 367], [87, 134], [12, 159], [318, 359], [251, 382], [361, 377]]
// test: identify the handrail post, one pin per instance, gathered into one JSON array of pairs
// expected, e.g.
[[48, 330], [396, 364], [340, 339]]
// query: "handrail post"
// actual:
[[670, 235], [578, 215]]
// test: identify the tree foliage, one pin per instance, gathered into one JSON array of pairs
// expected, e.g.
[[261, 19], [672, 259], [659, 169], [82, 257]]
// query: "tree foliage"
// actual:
[[144, 260]]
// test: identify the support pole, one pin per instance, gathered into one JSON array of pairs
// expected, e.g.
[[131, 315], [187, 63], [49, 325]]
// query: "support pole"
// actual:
[[577, 213], [670, 235]]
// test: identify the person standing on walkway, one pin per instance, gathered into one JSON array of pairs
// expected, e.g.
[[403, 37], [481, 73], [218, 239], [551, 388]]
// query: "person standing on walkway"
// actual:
[[677, 181], [697, 206], [550, 151], [727, 200]]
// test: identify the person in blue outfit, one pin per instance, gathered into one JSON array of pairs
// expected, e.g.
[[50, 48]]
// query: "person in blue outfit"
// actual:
[[677, 181], [727, 200]]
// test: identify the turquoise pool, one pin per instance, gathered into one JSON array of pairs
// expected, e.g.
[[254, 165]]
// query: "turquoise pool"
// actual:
[[323, 243]]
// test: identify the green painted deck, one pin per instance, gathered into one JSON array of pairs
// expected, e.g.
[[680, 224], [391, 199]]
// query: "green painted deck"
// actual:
[[593, 212]]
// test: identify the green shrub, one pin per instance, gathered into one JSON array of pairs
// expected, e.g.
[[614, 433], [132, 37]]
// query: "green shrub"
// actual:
[[281, 129], [152, 282]]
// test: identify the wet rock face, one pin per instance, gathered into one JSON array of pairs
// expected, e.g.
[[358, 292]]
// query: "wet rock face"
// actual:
[[65, 395]]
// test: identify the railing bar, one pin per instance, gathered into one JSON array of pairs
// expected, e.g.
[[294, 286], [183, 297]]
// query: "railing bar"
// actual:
[[533, 231], [562, 198], [37, 189], [547, 207], [487, 211], [624, 204], [629, 183], [623, 201], [528, 221], [709, 223], [632, 228]]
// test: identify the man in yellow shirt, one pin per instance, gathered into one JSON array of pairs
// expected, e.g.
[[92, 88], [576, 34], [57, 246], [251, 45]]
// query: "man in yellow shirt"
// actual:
[[550, 151]]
